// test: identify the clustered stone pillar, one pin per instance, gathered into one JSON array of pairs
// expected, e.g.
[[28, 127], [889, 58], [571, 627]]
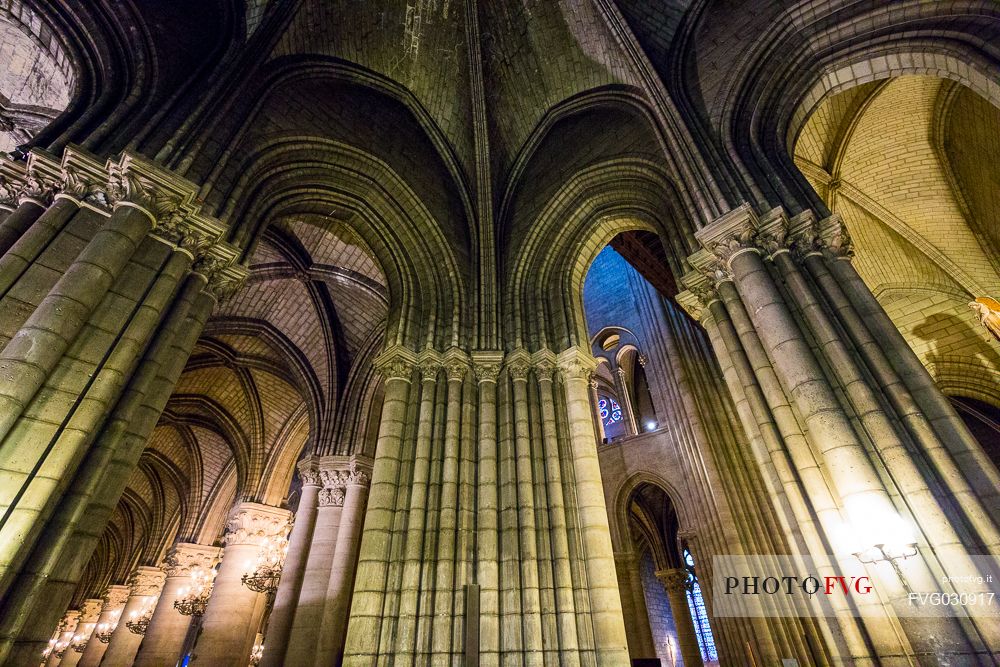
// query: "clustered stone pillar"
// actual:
[[468, 457], [306, 624], [338, 594], [164, 639], [674, 582], [145, 585], [321, 558], [90, 611], [114, 271], [829, 403], [234, 612], [286, 600], [63, 638], [111, 611]]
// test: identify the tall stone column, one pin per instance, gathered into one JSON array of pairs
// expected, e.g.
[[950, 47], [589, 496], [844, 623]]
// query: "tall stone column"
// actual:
[[233, 615], [373, 559], [164, 639], [286, 600], [306, 626], [338, 595], [90, 611], [63, 638], [674, 583], [640, 635], [97, 313], [111, 611], [145, 585], [562, 566], [605, 600]]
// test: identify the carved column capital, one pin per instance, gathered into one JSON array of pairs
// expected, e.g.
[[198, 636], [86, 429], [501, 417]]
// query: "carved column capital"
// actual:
[[90, 610], [518, 364], [253, 523], [359, 473], [332, 496], [486, 365], [835, 238], [115, 597], [146, 580], [309, 472], [185, 557], [544, 370], [69, 621], [576, 364], [396, 363], [673, 579]]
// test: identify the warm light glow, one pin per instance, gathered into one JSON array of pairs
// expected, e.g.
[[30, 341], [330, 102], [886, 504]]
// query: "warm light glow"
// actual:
[[876, 531]]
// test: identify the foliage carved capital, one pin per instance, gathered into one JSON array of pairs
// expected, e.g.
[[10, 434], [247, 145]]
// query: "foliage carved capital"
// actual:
[[253, 523], [146, 581]]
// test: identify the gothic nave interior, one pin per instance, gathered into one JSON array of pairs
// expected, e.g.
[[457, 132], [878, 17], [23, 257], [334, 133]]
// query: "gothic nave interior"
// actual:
[[502, 333]]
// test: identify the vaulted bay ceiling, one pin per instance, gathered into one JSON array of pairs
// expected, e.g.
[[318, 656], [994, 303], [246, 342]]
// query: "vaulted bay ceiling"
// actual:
[[902, 161]]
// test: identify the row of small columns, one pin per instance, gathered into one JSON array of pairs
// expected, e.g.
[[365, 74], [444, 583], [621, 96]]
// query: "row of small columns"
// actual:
[[231, 619], [790, 318]]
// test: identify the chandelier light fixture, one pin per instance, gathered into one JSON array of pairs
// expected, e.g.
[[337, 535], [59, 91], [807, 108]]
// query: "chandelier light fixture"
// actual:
[[55, 648], [257, 653], [193, 600], [79, 643], [138, 621], [103, 631], [267, 569]]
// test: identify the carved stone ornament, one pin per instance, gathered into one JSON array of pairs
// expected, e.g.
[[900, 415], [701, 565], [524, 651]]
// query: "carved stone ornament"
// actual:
[[146, 581], [9, 191], [69, 621], [39, 189], [332, 496], [486, 372], [309, 474], [185, 557], [456, 370], [90, 610], [988, 311], [395, 366], [115, 597], [519, 369], [83, 187], [251, 523], [838, 242], [131, 188], [673, 579], [773, 240], [429, 371], [729, 246], [358, 476], [544, 370], [576, 364]]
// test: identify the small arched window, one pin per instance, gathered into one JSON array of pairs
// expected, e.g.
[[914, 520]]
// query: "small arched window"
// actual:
[[696, 603]]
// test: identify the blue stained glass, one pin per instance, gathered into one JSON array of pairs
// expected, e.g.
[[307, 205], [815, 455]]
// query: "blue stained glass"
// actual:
[[696, 604], [610, 411]]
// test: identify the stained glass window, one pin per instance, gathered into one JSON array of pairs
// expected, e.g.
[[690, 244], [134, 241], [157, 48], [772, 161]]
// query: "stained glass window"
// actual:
[[696, 603], [611, 412]]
